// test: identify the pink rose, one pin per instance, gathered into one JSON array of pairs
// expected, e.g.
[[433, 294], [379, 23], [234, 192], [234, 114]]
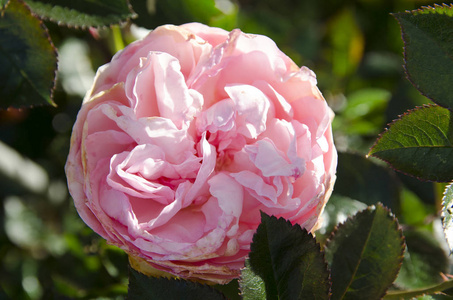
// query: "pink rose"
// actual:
[[186, 136]]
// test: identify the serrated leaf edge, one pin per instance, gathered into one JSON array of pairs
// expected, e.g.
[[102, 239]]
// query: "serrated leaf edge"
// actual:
[[398, 226], [443, 214], [422, 10], [317, 244], [132, 15], [386, 130], [54, 49]]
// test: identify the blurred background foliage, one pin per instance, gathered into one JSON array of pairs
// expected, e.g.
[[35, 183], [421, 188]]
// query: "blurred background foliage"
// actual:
[[354, 47]]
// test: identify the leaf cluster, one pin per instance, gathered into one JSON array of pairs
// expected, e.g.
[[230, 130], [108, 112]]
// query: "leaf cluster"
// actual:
[[420, 142], [27, 54], [362, 257]]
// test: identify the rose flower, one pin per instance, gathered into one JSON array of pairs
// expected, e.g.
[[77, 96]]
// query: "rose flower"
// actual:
[[186, 135]]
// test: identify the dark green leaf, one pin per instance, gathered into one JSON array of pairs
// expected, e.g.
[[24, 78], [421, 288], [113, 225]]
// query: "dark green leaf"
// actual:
[[420, 144], [230, 290], [447, 214], [289, 261], [365, 254], [428, 38], [83, 13], [252, 286], [144, 287], [28, 59], [372, 183]]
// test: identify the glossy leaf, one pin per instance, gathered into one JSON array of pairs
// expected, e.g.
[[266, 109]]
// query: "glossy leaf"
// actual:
[[144, 287], [447, 215], [252, 285], [365, 254], [372, 183], [289, 261], [428, 51], [83, 13], [28, 58], [420, 144]]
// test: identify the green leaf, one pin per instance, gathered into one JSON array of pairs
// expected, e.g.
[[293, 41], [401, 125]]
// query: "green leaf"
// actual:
[[83, 13], [365, 254], [428, 37], [28, 58], [289, 261], [372, 183], [252, 286], [420, 144], [447, 215], [423, 261], [144, 287], [337, 210], [432, 291]]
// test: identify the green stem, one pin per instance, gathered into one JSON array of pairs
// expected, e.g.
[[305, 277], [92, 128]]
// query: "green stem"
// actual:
[[419, 292], [118, 42]]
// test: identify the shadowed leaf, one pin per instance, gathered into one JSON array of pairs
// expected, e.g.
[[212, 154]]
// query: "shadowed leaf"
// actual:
[[28, 59], [428, 37], [289, 261], [420, 144], [372, 183], [144, 287], [365, 254]]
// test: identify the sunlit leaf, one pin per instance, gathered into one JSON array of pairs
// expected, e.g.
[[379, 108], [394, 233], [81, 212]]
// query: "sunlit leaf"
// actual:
[[144, 287], [289, 261], [252, 286], [447, 214], [365, 254], [428, 51], [28, 59], [420, 144], [83, 13]]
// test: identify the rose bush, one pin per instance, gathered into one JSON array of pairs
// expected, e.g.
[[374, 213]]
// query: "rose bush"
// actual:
[[186, 135]]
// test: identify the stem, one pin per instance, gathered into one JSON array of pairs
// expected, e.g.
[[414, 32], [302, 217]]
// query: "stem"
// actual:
[[419, 292], [118, 42]]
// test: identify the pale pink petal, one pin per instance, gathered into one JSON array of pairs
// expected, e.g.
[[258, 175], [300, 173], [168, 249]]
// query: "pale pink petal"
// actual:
[[212, 35], [272, 162], [251, 106]]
